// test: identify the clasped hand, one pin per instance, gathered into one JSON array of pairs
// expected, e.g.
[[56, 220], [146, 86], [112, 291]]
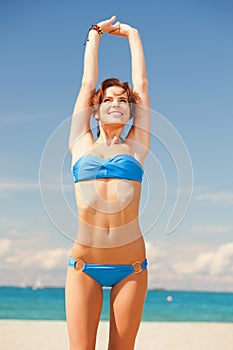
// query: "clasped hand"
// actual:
[[118, 29]]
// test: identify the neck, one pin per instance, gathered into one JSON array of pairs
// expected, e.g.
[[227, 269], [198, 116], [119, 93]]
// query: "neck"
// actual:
[[110, 136]]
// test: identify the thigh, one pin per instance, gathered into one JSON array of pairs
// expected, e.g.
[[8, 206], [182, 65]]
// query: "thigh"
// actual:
[[127, 302], [84, 298]]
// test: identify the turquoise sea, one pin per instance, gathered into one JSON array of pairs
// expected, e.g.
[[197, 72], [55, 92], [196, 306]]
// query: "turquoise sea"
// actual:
[[48, 304]]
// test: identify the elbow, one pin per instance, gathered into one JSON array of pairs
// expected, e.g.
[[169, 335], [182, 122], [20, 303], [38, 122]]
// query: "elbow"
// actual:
[[141, 85], [145, 84]]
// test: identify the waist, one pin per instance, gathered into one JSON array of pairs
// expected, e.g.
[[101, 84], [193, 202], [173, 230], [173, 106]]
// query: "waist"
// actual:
[[125, 254], [94, 234]]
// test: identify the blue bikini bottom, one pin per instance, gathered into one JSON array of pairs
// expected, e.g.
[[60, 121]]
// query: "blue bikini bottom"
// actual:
[[107, 275]]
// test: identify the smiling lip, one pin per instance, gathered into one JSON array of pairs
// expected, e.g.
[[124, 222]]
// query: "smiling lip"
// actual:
[[116, 113]]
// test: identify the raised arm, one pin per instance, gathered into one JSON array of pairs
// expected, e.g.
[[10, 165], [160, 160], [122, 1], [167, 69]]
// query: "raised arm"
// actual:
[[139, 76], [140, 131], [80, 132]]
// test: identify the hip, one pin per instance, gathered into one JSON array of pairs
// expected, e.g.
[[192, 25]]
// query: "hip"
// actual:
[[122, 254]]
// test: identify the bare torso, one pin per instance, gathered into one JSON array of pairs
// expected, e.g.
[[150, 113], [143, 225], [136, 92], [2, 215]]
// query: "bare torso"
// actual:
[[108, 226]]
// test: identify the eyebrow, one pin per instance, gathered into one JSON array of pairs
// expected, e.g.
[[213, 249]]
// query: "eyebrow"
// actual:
[[124, 94]]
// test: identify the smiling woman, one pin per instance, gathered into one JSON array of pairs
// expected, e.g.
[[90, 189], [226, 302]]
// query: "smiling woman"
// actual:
[[114, 99], [109, 249], [114, 107]]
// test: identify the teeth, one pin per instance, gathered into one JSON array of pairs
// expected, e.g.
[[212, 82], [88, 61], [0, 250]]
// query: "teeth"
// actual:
[[116, 113]]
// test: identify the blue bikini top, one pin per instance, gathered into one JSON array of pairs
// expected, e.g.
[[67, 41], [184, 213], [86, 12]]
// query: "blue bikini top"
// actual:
[[121, 166]]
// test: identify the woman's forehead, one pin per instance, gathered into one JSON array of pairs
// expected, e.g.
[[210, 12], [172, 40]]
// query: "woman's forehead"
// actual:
[[115, 91]]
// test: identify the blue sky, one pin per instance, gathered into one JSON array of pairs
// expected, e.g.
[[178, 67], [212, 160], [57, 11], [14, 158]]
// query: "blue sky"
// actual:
[[189, 54]]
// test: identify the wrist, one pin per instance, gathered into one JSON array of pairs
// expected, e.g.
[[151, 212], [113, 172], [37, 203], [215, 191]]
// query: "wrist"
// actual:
[[94, 33], [132, 31], [97, 29]]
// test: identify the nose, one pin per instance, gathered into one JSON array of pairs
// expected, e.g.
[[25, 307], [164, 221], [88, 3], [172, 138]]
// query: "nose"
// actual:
[[115, 102]]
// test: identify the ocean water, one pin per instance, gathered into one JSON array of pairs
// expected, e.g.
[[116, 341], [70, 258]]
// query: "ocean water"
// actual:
[[177, 306]]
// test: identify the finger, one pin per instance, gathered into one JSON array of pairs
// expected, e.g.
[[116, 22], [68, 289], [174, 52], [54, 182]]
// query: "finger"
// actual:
[[115, 26], [114, 31], [113, 18]]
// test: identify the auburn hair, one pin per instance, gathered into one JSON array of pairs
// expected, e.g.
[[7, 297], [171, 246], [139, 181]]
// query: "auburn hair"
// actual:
[[97, 97]]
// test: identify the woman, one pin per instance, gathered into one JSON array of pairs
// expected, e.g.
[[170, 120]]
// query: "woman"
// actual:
[[109, 249]]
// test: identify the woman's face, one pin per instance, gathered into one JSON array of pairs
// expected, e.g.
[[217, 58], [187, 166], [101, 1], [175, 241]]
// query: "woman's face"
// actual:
[[114, 107]]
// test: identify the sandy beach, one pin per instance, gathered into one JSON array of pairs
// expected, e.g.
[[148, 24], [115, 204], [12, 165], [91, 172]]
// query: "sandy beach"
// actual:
[[47, 335]]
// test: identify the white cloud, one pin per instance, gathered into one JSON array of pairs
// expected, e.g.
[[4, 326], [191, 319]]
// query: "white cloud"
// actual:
[[5, 245], [6, 222], [155, 251], [172, 264], [44, 259], [212, 229], [11, 228], [52, 258], [23, 261], [20, 186], [219, 197], [177, 265], [160, 272], [213, 263]]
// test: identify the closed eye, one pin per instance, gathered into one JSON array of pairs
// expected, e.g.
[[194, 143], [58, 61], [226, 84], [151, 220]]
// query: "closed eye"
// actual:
[[121, 99]]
